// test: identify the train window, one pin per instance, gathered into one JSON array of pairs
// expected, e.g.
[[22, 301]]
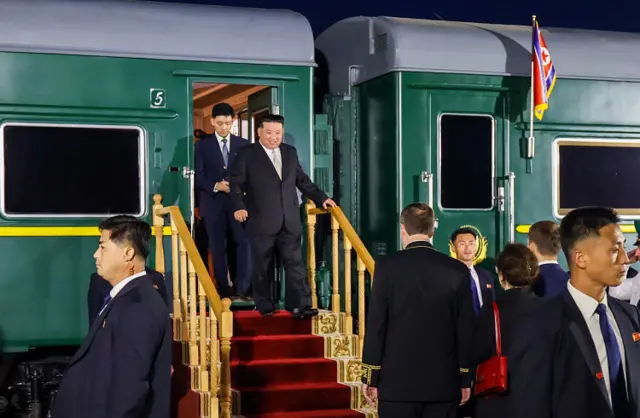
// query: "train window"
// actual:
[[466, 162], [596, 172], [62, 171]]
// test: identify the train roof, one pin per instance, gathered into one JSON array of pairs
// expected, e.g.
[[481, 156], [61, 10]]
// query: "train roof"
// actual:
[[146, 29], [379, 45]]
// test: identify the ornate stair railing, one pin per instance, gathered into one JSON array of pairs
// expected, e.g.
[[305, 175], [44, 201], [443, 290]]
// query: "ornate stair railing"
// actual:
[[364, 263], [202, 322]]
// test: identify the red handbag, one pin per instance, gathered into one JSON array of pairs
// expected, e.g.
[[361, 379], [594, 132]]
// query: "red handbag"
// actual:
[[491, 375]]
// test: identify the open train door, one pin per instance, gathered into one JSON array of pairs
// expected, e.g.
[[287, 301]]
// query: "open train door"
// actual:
[[259, 105]]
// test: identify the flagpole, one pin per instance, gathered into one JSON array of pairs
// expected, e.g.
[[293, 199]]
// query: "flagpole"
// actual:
[[531, 142]]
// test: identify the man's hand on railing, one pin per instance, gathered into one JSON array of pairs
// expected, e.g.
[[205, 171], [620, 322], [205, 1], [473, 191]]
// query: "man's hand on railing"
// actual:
[[328, 203], [370, 394], [241, 215]]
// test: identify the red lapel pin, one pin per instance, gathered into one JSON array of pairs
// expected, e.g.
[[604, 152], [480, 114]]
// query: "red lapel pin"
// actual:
[[488, 286], [636, 336], [599, 376]]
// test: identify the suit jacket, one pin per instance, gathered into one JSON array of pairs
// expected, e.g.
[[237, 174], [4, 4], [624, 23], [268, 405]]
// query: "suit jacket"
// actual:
[[514, 305], [551, 281], [555, 364], [419, 327], [123, 367], [210, 169], [486, 287], [99, 287], [270, 202]]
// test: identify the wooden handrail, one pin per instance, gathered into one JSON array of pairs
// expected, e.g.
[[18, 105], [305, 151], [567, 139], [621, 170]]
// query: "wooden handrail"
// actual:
[[350, 233], [193, 253]]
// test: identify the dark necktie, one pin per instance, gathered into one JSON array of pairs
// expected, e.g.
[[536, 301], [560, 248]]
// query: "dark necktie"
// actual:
[[104, 303], [474, 295], [225, 152], [619, 399]]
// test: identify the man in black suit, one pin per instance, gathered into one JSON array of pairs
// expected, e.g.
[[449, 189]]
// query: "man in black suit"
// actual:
[[579, 355], [123, 367], [544, 242], [264, 178], [417, 344], [213, 155], [99, 288], [465, 244]]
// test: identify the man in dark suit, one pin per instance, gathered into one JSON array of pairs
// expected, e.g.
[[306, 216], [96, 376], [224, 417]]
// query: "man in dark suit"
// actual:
[[544, 242], [417, 344], [465, 244], [123, 367], [213, 155], [579, 355], [264, 178], [99, 288]]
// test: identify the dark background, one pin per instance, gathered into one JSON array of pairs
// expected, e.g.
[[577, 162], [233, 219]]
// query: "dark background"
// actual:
[[616, 15]]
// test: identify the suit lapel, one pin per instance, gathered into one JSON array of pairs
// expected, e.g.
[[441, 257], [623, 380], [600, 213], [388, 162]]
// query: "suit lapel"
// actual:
[[100, 321], [627, 329], [286, 157], [580, 332], [233, 147], [267, 160]]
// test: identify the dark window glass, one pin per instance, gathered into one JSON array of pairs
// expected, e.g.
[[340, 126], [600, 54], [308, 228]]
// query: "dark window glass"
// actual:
[[56, 170], [466, 159], [598, 175]]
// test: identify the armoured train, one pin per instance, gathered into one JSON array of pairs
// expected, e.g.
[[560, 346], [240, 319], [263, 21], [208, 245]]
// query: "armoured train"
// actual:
[[99, 102]]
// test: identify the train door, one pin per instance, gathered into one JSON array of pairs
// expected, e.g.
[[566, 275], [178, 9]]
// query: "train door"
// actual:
[[259, 105], [466, 182]]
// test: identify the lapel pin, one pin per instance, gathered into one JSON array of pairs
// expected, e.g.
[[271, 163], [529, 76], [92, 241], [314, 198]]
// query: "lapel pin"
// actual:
[[636, 336], [488, 286], [104, 323], [599, 376]]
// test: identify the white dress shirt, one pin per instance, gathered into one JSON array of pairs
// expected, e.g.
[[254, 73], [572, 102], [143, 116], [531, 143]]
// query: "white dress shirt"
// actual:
[[587, 306], [474, 275], [270, 154], [117, 288], [629, 290]]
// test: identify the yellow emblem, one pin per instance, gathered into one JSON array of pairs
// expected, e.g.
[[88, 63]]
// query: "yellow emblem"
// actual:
[[481, 250]]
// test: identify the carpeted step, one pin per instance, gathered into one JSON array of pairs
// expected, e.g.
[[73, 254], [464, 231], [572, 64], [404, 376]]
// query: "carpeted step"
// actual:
[[295, 397], [263, 373], [325, 413], [251, 323], [265, 347]]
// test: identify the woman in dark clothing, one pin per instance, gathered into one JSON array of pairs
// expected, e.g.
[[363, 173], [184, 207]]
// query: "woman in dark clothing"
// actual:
[[517, 268]]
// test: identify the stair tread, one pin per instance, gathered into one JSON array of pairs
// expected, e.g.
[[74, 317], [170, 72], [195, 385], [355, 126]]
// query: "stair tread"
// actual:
[[292, 387], [291, 360], [272, 337], [309, 414]]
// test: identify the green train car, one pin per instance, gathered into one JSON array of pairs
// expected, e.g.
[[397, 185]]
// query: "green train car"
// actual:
[[438, 112], [98, 106]]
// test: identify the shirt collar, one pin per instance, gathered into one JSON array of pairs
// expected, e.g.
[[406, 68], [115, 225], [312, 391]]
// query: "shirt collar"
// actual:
[[219, 138], [586, 304], [117, 288], [269, 151], [542, 263]]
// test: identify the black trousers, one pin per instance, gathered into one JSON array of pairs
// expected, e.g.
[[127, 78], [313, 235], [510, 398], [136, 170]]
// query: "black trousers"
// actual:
[[387, 409], [288, 246]]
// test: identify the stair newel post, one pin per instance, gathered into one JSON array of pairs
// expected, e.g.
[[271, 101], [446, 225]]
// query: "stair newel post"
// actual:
[[202, 338], [335, 268], [158, 227], [361, 310], [214, 367], [175, 272], [193, 316], [184, 292], [311, 251], [226, 332], [348, 320]]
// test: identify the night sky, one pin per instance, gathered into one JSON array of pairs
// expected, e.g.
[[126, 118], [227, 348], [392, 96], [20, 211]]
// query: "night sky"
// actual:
[[616, 15]]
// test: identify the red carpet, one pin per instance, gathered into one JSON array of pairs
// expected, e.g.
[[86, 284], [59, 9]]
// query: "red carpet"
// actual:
[[280, 370]]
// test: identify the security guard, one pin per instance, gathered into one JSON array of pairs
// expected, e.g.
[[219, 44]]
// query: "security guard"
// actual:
[[418, 330]]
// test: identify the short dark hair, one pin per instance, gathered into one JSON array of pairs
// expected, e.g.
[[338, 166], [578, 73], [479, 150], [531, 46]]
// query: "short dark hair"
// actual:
[[582, 223], [272, 118], [418, 218], [518, 265], [222, 109], [546, 236], [125, 228], [464, 230]]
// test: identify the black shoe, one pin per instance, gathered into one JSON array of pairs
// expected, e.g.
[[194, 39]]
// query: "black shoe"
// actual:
[[266, 313], [304, 312]]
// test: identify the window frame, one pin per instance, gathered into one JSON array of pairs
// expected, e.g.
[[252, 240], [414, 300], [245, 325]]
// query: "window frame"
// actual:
[[142, 170], [559, 213], [493, 162]]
